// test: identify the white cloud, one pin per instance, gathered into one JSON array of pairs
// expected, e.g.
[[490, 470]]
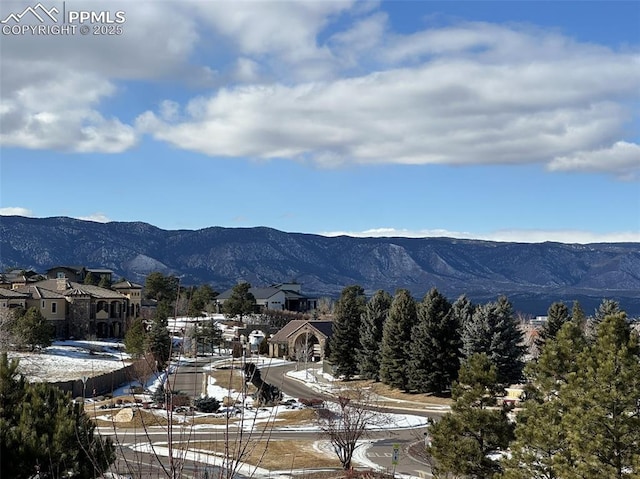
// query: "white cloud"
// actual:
[[554, 98], [53, 88], [515, 235], [97, 217], [622, 158], [15, 211]]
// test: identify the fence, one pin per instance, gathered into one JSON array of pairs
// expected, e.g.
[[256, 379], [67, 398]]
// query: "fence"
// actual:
[[106, 383]]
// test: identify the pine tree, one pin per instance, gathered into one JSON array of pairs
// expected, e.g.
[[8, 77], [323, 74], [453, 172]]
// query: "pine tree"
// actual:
[[557, 315], [494, 330], [435, 346], [158, 341], [541, 437], [345, 337], [603, 417], [396, 338], [375, 315], [32, 330], [583, 419], [462, 311], [42, 432], [240, 303], [461, 441], [135, 337]]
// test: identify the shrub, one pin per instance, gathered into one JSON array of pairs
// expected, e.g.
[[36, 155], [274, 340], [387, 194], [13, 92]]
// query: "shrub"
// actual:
[[207, 404]]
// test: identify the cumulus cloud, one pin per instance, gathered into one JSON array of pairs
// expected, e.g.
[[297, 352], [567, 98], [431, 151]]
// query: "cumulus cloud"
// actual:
[[515, 235], [329, 83], [622, 158], [54, 88], [15, 211], [467, 98]]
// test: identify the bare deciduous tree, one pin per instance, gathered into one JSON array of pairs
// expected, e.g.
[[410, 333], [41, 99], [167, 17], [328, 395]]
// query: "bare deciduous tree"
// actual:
[[349, 423]]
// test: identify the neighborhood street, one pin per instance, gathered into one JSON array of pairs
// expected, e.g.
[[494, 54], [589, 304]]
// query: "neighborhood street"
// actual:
[[388, 448]]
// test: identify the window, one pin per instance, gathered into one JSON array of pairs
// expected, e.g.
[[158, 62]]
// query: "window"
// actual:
[[60, 275], [43, 303], [54, 307]]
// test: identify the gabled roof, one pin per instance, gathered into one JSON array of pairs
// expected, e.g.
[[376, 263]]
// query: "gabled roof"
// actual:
[[258, 293], [289, 329]]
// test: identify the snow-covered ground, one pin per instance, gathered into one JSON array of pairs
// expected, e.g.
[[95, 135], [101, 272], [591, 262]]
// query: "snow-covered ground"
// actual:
[[67, 360], [71, 360]]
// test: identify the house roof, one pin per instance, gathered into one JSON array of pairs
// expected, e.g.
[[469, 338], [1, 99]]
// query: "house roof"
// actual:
[[37, 292], [12, 294], [75, 269], [74, 289], [258, 293], [99, 271], [282, 336], [126, 285]]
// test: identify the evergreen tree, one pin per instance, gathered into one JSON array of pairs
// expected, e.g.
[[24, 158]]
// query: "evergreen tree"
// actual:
[[435, 346], [43, 433], [199, 299], [345, 336], [557, 315], [583, 421], [608, 307], [396, 339], [240, 303], [603, 419], [577, 315], [161, 288], [541, 438], [460, 443], [32, 330], [206, 333], [134, 338], [494, 330], [462, 311], [373, 320], [158, 341]]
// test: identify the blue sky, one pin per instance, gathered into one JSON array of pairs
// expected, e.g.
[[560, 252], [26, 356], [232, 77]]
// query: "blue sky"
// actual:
[[508, 121]]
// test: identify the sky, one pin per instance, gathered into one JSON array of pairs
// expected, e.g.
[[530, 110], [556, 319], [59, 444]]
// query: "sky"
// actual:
[[504, 120]]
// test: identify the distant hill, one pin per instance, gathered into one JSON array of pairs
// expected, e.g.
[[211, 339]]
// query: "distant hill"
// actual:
[[531, 275]]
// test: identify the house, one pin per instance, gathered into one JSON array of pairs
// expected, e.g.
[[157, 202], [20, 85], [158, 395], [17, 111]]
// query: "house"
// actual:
[[79, 310], [18, 277], [10, 299], [133, 291], [301, 339], [283, 296], [78, 273]]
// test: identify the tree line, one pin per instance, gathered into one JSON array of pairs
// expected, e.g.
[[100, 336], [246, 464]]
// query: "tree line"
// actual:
[[580, 418], [418, 346]]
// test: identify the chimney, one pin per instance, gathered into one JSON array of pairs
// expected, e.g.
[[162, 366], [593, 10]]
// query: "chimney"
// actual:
[[62, 284]]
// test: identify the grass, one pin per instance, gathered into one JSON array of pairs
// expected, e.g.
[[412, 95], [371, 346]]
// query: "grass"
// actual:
[[385, 391], [276, 454]]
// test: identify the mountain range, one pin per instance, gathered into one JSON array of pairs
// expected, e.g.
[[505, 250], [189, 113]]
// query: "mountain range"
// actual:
[[532, 275]]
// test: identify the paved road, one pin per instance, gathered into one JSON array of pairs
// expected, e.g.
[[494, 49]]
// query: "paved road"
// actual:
[[189, 379]]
